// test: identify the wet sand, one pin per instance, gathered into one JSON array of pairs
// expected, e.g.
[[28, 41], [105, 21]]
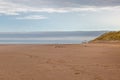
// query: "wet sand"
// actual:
[[94, 61]]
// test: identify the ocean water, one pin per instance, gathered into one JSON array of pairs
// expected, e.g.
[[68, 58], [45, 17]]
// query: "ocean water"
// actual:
[[63, 37]]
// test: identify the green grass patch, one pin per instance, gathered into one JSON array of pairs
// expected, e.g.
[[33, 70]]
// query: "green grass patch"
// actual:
[[109, 36]]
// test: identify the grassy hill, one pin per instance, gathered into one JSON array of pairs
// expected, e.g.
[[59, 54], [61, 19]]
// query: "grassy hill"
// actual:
[[109, 36]]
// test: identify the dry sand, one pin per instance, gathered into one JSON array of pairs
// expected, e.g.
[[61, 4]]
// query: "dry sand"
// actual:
[[60, 62]]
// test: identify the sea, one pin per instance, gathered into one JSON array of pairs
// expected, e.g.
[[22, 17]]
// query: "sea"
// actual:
[[49, 37]]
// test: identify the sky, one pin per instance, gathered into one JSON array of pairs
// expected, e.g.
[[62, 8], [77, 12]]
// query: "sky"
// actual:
[[59, 15]]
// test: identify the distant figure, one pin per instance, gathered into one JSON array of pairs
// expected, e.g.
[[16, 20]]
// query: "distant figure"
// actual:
[[84, 43]]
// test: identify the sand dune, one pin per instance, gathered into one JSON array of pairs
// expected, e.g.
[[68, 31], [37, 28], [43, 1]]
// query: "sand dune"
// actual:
[[94, 61]]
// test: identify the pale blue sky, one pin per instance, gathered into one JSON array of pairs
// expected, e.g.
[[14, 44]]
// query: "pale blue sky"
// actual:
[[59, 15]]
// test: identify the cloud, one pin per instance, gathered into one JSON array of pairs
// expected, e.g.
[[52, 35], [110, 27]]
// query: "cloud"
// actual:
[[67, 3], [8, 8], [16, 7], [32, 17]]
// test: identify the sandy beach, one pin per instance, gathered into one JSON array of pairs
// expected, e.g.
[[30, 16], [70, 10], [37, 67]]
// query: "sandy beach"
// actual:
[[94, 61]]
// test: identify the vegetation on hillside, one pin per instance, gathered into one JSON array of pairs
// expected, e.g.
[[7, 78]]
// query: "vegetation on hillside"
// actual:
[[109, 36]]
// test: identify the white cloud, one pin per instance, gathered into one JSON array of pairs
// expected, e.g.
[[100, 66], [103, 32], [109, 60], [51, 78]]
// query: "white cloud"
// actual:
[[10, 8], [32, 17]]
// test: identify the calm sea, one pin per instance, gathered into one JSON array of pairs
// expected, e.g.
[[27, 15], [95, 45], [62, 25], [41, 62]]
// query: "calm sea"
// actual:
[[64, 37]]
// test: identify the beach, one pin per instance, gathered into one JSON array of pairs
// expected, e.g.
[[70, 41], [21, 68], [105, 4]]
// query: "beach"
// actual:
[[90, 61]]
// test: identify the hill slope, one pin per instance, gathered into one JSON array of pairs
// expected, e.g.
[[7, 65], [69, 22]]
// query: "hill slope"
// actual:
[[109, 36]]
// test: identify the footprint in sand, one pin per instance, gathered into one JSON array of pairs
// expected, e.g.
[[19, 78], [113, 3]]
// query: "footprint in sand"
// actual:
[[59, 46]]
